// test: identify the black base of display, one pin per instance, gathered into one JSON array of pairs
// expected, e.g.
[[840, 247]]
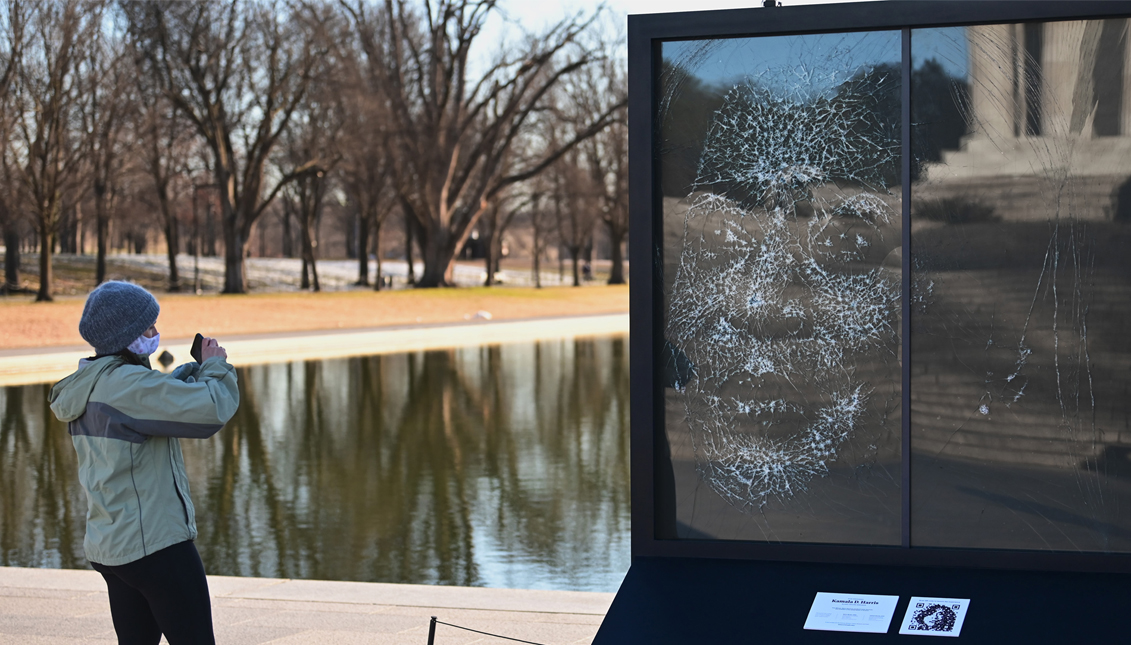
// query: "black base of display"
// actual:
[[689, 601]]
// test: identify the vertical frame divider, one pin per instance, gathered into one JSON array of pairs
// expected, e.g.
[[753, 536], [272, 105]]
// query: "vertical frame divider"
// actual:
[[905, 292], [641, 84]]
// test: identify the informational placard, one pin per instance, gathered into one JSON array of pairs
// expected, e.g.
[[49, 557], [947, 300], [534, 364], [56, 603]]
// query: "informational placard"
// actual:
[[934, 616], [845, 612]]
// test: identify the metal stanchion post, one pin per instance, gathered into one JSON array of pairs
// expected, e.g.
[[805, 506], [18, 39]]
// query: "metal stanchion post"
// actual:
[[432, 632]]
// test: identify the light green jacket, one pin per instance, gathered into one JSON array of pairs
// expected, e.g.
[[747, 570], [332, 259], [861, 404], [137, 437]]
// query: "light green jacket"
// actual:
[[124, 421]]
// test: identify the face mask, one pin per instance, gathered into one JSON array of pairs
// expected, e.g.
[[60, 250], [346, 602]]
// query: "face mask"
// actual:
[[145, 346]]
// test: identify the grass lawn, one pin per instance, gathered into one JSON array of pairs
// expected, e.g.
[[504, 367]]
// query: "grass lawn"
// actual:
[[25, 324]]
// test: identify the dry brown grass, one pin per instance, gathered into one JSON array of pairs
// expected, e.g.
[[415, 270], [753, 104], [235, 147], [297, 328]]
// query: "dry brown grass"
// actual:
[[25, 324]]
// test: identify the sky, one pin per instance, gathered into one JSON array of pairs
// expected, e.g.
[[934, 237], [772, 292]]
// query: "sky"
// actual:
[[533, 15], [535, 12]]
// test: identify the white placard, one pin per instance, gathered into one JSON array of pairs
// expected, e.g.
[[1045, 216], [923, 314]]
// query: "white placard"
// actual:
[[934, 616], [851, 612]]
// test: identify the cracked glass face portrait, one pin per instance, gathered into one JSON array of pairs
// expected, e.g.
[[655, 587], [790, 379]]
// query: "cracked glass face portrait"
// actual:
[[1020, 357], [780, 257]]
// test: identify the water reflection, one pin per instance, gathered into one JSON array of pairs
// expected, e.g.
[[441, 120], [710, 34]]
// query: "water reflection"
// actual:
[[498, 466]]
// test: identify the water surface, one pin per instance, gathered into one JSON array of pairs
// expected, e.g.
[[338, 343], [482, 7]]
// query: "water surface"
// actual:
[[502, 466]]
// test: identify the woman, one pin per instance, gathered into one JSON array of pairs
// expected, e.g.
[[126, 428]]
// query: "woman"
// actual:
[[125, 420]]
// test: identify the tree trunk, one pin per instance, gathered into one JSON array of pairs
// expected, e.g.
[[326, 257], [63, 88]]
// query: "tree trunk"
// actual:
[[493, 221], [487, 262], [439, 262], [80, 230], [408, 227], [616, 237], [102, 231], [574, 256], [363, 252], [288, 239], [441, 253], [172, 242], [308, 259], [11, 257], [537, 265], [46, 277], [235, 280], [378, 279]]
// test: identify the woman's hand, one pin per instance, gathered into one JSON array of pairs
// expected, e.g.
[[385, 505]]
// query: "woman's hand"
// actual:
[[209, 348]]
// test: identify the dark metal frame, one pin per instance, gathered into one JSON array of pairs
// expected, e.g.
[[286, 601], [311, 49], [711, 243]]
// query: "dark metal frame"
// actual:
[[645, 35]]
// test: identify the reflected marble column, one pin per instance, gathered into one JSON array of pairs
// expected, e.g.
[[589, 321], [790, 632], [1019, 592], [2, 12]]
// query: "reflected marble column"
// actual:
[[1060, 68], [1125, 106], [992, 49]]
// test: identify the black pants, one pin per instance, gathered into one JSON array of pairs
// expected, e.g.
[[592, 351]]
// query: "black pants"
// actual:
[[164, 592]]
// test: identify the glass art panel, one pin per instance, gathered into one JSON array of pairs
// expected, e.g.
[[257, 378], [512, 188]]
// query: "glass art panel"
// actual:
[[1020, 359], [780, 167]]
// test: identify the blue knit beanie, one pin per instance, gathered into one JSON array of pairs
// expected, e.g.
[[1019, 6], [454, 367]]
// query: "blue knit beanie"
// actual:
[[116, 314]]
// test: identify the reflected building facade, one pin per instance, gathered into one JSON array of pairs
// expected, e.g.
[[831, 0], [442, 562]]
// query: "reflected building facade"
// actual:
[[1043, 98], [1020, 290]]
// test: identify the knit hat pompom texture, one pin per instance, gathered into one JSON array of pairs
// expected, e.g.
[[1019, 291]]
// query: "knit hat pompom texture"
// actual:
[[116, 314]]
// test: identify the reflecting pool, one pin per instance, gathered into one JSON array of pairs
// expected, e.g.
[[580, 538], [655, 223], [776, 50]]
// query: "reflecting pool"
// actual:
[[501, 466]]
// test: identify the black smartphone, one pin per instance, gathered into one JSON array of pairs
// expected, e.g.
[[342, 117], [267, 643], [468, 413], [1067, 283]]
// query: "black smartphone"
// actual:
[[196, 345]]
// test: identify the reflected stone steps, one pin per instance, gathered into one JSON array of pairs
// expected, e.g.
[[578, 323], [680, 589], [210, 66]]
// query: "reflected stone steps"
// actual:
[[1007, 435], [1031, 197]]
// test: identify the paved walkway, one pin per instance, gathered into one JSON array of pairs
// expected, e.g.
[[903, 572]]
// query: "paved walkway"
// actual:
[[23, 366], [52, 606]]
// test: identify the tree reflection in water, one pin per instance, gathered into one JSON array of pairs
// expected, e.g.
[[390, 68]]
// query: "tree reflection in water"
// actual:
[[499, 466]]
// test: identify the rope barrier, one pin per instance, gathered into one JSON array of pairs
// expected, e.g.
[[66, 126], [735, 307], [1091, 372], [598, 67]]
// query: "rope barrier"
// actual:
[[432, 633]]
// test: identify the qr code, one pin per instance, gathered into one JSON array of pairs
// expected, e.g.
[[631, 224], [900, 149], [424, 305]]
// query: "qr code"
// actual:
[[933, 617]]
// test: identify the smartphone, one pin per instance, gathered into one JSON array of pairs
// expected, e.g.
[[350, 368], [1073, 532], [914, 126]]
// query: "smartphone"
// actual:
[[197, 343]]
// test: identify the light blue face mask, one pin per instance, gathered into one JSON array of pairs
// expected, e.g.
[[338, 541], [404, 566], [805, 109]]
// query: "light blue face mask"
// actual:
[[145, 346]]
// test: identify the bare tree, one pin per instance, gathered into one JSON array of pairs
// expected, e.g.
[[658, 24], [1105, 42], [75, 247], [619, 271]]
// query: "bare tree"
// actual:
[[237, 70], [452, 130], [494, 224], [365, 167], [166, 142], [108, 89], [542, 226], [49, 126], [309, 192], [310, 152], [574, 209], [12, 24], [606, 156]]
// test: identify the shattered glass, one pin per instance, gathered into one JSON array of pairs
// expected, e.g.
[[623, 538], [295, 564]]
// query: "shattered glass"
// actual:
[[1020, 359], [780, 165]]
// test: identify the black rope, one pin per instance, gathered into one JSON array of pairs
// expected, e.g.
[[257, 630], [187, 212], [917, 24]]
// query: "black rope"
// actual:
[[468, 629]]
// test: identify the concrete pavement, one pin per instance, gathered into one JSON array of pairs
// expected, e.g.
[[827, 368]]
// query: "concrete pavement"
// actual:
[[67, 607]]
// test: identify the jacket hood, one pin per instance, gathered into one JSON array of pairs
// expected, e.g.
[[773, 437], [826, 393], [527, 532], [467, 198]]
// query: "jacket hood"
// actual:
[[69, 397]]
